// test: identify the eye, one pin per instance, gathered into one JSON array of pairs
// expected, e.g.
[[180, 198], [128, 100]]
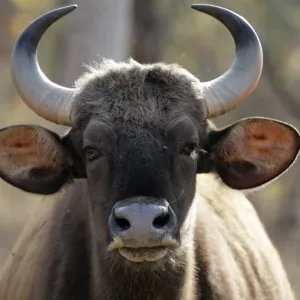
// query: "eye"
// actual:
[[188, 148], [91, 154]]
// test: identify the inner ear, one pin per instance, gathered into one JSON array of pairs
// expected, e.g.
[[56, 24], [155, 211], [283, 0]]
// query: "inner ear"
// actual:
[[33, 159], [31, 145], [254, 151]]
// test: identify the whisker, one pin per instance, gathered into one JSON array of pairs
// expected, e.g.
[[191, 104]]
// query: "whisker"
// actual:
[[178, 197]]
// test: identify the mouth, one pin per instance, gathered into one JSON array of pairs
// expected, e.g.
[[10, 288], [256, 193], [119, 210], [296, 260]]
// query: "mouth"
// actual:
[[140, 253], [143, 254]]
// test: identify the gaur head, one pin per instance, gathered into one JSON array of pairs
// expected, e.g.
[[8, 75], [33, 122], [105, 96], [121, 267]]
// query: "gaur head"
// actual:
[[139, 136]]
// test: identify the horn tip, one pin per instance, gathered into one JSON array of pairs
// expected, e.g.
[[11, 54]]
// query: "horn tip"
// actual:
[[62, 11], [71, 7], [205, 7], [198, 6], [66, 9]]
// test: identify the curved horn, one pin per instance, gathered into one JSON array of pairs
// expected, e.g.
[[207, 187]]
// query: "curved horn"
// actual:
[[47, 99], [229, 90]]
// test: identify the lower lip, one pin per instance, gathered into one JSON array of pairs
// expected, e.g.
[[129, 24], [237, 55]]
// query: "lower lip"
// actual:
[[143, 254]]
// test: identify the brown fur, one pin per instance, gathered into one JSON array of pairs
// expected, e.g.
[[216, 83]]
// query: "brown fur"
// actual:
[[133, 93], [139, 119], [231, 245]]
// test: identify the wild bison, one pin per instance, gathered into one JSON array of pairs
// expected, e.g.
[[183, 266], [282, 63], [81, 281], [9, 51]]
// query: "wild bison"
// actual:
[[126, 222]]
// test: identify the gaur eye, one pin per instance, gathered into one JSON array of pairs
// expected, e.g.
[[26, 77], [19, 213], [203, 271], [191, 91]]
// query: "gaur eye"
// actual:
[[188, 149], [91, 154]]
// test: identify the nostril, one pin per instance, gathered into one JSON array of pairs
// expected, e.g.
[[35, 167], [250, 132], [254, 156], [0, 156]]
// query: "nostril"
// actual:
[[161, 220], [123, 223]]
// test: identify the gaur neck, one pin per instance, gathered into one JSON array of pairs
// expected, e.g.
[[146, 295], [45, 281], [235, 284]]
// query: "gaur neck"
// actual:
[[168, 282]]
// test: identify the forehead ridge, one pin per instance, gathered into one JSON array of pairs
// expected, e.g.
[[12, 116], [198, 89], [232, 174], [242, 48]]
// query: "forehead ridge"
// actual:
[[134, 93]]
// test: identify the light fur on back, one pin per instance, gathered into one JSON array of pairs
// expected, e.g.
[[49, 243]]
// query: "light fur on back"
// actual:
[[242, 262]]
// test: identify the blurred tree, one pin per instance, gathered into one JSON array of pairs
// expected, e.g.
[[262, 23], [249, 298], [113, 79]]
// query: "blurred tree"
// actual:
[[147, 31], [7, 10], [97, 29], [152, 20]]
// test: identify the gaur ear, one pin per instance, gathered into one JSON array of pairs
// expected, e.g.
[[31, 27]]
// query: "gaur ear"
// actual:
[[254, 151], [33, 159]]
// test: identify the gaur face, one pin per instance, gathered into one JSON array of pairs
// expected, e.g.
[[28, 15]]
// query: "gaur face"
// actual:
[[142, 181], [141, 149]]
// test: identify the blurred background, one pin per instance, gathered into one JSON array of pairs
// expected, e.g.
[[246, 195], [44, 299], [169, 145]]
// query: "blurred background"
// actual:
[[168, 30]]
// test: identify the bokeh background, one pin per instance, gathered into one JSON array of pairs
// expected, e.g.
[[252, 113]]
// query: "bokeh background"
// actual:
[[168, 30]]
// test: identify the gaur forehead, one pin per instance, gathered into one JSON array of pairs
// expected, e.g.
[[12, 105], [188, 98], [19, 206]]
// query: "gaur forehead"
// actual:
[[132, 93]]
